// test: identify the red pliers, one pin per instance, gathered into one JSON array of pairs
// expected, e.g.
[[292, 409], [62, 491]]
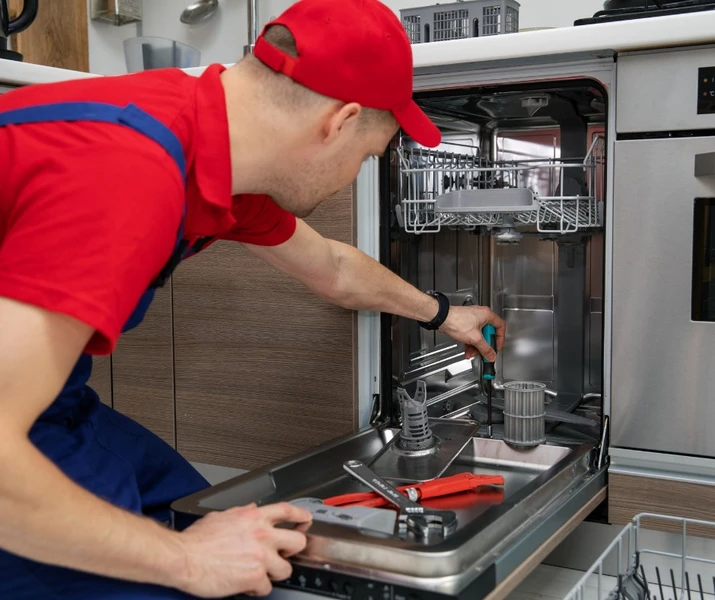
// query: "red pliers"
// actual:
[[437, 488]]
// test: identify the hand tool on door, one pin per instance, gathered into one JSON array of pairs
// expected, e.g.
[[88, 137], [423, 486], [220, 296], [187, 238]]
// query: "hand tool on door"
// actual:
[[489, 373], [436, 488], [423, 522], [356, 517]]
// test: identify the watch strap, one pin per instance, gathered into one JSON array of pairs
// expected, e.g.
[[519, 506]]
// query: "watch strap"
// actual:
[[442, 313]]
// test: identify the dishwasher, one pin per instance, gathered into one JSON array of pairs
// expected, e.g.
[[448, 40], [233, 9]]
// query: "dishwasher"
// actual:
[[508, 212], [563, 180]]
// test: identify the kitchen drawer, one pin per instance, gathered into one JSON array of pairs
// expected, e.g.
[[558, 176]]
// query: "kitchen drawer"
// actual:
[[659, 91], [629, 495]]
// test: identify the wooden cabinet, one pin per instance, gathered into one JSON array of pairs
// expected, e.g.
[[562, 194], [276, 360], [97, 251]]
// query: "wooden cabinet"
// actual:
[[58, 37], [143, 370], [236, 364], [263, 368], [629, 495], [101, 380]]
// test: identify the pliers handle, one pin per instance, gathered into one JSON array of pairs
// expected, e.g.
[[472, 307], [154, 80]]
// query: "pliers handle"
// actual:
[[436, 488]]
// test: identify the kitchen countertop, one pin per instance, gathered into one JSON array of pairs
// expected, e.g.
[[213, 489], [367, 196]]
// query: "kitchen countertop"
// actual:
[[20, 73], [620, 36], [624, 36]]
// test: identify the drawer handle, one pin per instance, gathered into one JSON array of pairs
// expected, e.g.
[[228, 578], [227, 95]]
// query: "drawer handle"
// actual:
[[705, 165]]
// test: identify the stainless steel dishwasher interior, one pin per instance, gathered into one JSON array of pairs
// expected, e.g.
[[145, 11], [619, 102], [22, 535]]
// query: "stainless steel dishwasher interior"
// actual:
[[548, 286]]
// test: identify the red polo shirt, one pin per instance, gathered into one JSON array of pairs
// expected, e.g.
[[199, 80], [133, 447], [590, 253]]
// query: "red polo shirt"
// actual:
[[89, 212]]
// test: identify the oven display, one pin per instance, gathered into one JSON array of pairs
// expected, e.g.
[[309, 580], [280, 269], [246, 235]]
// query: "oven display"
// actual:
[[706, 91]]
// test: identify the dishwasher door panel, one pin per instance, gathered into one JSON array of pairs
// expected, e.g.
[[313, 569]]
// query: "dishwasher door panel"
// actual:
[[663, 349]]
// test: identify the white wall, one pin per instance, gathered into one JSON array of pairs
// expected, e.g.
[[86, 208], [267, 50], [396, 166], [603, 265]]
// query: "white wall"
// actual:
[[222, 38]]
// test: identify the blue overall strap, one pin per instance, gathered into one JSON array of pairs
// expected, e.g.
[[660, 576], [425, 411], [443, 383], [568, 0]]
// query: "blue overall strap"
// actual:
[[129, 116]]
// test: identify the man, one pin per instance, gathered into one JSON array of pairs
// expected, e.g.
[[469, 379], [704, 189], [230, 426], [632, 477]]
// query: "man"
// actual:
[[107, 184]]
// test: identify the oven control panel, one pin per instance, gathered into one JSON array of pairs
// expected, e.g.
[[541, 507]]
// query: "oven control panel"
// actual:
[[706, 91]]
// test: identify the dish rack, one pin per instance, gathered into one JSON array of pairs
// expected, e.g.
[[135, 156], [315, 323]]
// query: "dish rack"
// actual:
[[466, 190], [650, 574]]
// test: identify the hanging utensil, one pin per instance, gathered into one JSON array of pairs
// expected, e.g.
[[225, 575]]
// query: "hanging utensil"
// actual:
[[199, 11]]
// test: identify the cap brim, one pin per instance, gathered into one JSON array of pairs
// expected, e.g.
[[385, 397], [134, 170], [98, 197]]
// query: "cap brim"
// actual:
[[418, 125]]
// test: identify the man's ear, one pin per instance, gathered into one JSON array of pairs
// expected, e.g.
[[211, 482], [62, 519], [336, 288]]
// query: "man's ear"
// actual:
[[341, 119]]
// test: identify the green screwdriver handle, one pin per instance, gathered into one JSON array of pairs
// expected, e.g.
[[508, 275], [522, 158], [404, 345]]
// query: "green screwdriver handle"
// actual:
[[490, 335]]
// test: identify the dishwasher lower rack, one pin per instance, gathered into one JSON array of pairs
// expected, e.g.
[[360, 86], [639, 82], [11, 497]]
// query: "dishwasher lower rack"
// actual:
[[643, 572], [465, 190]]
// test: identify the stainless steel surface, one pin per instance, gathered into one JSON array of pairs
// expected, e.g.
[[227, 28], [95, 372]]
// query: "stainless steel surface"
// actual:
[[409, 466], [116, 12], [663, 383], [252, 26], [524, 413], [548, 289], [657, 465], [657, 91], [543, 486], [424, 523], [198, 12], [705, 165], [359, 517]]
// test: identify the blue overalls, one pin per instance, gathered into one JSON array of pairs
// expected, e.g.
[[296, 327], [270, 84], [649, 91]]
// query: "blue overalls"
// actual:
[[103, 451]]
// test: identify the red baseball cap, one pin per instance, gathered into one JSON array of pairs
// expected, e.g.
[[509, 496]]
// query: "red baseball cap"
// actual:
[[353, 51]]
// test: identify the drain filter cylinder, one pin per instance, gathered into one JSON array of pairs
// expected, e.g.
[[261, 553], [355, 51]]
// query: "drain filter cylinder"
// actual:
[[524, 414]]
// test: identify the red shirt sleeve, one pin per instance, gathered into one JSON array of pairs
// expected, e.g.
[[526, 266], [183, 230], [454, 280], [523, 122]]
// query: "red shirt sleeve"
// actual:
[[260, 221], [86, 235]]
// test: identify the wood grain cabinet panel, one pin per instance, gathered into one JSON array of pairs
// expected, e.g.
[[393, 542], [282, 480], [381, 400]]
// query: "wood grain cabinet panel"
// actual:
[[58, 37], [101, 380], [263, 368], [143, 370], [629, 496]]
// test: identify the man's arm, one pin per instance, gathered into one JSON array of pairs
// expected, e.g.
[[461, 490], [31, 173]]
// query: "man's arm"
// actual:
[[343, 275], [46, 517]]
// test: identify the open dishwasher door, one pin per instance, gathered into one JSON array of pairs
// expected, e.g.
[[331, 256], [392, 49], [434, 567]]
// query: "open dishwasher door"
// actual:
[[508, 212], [502, 531]]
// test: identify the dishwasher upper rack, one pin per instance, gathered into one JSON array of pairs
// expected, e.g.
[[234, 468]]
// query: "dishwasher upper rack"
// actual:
[[638, 566], [431, 179]]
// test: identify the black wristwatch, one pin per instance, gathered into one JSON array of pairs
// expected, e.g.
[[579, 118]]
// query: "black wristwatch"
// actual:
[[441, 317]]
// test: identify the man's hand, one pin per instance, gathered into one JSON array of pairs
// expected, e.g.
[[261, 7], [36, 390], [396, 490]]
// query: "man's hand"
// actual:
[[465, 323], [240, 550]]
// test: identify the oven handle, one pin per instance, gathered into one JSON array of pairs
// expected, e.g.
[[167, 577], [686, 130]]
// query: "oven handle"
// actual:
[[705, 165]]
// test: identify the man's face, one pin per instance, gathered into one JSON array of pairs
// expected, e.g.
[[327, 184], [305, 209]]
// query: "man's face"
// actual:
[[318, 170]]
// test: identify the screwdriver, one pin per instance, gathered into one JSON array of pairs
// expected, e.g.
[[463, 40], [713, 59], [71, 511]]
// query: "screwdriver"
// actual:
[[488, 372]]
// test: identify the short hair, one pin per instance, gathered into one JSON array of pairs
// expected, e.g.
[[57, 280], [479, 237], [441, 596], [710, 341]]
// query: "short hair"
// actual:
[[295, 96]]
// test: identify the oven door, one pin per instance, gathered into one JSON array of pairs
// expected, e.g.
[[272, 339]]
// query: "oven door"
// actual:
[[663, 350]]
